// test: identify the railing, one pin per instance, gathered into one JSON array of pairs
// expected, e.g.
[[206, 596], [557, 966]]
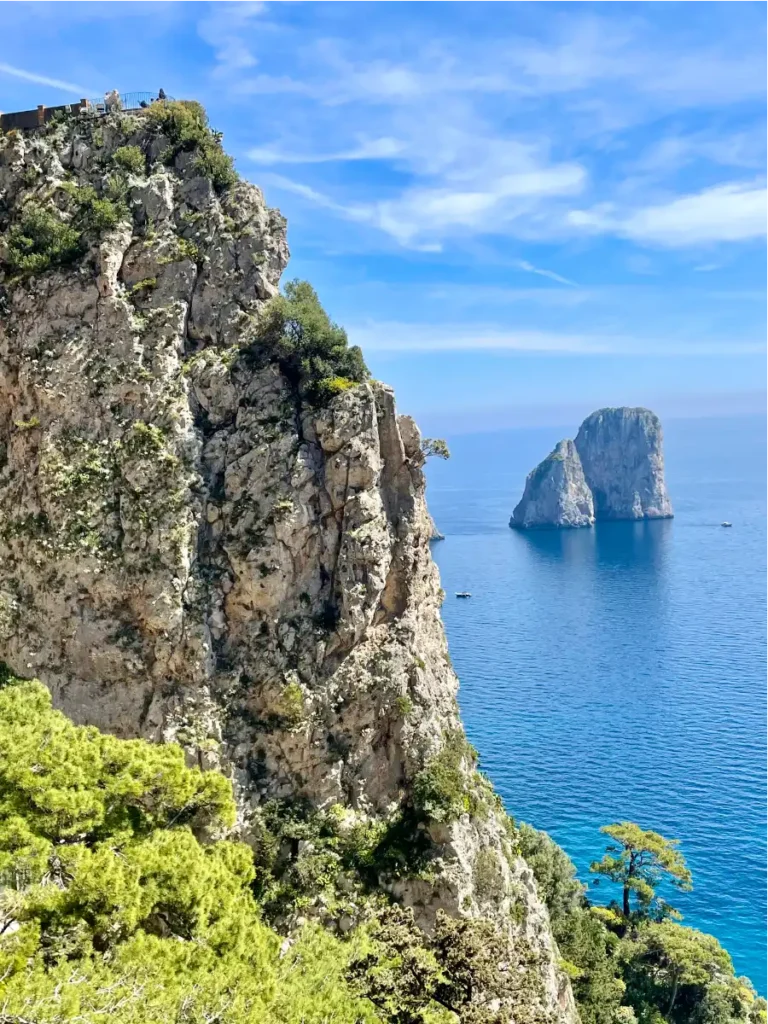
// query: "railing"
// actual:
[[128, 101], [27, 119]]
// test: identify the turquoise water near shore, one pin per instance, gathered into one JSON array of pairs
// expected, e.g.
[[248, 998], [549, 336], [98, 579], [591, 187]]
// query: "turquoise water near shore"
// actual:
[[619, 673]]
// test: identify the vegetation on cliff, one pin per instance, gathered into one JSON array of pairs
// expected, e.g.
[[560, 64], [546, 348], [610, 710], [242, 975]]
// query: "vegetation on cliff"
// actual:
[[125, 898], [121, 898], [642, 966], [312, 351]]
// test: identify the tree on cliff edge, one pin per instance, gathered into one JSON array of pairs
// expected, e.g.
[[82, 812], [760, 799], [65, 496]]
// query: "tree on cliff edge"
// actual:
[[639, 860]]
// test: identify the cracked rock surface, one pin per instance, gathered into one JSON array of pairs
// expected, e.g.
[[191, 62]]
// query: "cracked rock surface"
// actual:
[[188, 552]]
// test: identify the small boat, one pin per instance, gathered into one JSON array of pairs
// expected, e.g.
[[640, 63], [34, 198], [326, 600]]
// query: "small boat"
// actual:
[[726, 524], [463, 593]]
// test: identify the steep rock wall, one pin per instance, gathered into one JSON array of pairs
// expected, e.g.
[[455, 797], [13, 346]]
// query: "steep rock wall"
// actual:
[[188, 551], [621, 452], [556, 493]]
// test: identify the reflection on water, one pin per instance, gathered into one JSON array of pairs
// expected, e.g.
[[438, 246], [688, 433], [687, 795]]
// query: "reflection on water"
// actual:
[[636, 546]]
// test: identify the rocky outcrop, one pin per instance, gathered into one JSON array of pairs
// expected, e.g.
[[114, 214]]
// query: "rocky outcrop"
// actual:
[[613, 470], [434, 532], [556, 493], [621, 452], [189, 551]]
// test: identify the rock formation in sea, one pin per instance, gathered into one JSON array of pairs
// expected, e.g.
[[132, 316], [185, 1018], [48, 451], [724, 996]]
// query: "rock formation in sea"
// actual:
[[434, 532], [556, 493], [191, 551], [621, 452], [613, 470]]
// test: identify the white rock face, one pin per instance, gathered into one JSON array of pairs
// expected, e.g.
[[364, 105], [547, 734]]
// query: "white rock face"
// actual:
[[613, 470], [621, 452], [188, 552], [556, 493]]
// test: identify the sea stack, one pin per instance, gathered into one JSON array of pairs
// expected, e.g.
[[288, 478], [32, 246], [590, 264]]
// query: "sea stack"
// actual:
[[613, 470], [556, 493], [621, 452]]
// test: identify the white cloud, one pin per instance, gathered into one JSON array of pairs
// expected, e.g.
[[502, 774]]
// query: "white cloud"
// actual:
[[733, 212], [365, 149], [529, 268], [54, 83], [226, 30], [422, 218]]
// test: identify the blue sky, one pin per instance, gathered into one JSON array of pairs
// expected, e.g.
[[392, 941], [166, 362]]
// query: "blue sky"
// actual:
[[521, 211]]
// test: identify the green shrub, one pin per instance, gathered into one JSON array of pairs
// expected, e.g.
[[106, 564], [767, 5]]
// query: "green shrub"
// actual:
[[329, 387], [185, 123], [311, 350], [442, 790], [130, 158], [40, 241], [44, 238], [292, 705], [214, 163], [148, 284], [404, 706], [113, 909], [30, 424], [182, 250]]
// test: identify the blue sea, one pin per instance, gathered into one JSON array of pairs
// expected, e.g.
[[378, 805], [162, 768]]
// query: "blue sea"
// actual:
[[619, 673]]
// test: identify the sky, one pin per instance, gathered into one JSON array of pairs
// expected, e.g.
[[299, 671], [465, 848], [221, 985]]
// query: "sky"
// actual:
[[521, 211]]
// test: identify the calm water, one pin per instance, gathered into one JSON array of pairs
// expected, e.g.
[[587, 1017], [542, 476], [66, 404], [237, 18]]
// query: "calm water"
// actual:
[[619, 673]]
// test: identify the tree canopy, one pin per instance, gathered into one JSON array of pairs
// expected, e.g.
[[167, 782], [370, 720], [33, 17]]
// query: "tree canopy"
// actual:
[[312, 351], [121, 898], [639, 860]]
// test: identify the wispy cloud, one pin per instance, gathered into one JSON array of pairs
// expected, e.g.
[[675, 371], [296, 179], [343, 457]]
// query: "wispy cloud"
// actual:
[[423, 218], [734, 212], [529, 268], [54, 83], [365, 149]]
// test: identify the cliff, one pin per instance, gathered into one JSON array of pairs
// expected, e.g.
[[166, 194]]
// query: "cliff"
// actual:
[[621, 452], [556, 493], [613, 470], [194, 547]]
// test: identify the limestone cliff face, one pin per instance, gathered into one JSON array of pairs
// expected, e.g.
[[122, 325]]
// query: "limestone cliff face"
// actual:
[[189, 552], [613, 470], [556, 493], [621, 452]]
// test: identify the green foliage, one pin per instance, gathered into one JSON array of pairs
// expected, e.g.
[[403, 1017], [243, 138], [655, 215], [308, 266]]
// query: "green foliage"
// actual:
[[292, 705], [31, 424], [404, 705], [442, 790], [40, 241], [311, 350], [141, 288], [44, 238], [130, 158], [467, 968], [638, 860], [587, 947], [182, 250], [685, 975], [328, 387], [659, 973], [434, 446], [185, 123], [118, 903]]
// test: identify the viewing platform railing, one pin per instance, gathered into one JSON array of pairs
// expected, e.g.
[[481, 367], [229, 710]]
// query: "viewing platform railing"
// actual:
[[25, 119]]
